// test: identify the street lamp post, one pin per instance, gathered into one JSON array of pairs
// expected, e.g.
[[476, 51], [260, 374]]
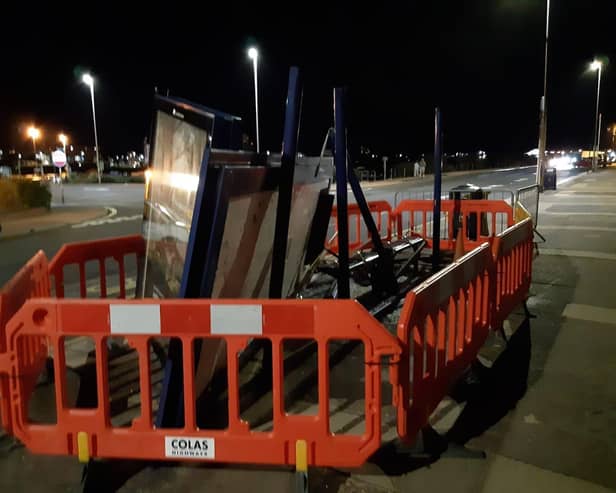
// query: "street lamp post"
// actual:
[[34, 133], [88, 80], [543, 124], [253, 54], [598, 67], [63, 140]]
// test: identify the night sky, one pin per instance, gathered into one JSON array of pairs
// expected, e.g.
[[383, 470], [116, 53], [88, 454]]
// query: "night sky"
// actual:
[[480, 60]]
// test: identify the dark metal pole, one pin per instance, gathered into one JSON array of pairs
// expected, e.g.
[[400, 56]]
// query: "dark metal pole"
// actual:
[[285, 190], [436, 217], [360, 198], [340, 161]]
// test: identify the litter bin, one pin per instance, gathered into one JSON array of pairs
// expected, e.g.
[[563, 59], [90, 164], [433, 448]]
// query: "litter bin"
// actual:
[[549, 179], [469, 192]]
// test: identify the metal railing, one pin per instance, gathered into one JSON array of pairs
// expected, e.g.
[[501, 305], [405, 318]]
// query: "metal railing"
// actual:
[[506, 195], [528, 197]]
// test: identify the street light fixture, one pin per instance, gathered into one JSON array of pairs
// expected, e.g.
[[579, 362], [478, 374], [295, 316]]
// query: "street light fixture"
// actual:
[[596, 66], [34, 133], [253, 54], [64, 140], [88, 80]]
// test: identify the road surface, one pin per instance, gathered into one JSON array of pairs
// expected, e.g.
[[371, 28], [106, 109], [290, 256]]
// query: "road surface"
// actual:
[[127, 201]]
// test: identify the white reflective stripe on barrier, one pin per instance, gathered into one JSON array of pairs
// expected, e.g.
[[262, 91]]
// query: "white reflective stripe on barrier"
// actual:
[[134, 319], [236, 319]]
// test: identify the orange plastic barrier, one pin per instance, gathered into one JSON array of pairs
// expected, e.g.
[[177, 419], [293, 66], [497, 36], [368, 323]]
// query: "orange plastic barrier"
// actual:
[[444, 323], [359, 236], [414, 218], [480, 220], [513, 255], [98, 250], [88, 433], [31, 281]]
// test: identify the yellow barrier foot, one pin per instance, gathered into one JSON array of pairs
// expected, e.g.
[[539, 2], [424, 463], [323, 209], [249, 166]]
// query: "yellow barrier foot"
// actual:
[[301, 466]]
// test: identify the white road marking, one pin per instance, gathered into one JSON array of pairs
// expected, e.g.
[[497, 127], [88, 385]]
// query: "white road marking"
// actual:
[[590, 313], [577, 253], [578, 228], [603, 203], [514, 169], [596, 190], [111, 212], [608, 214], [113, 220], [583, 195], [522, 179], [571, 178]]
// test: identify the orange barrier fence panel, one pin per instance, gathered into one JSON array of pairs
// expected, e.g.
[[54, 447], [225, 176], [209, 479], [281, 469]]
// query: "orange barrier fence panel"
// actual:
[[444, 323], [484, 219], [88, 432], [414, 218], [359, 236], [80, 254], [480, 220], [30, 282], [513, 256]]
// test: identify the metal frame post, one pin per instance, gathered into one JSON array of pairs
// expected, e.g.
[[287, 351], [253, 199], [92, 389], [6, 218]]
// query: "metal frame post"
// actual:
[[285, 189], [340, 162], [436, 217]]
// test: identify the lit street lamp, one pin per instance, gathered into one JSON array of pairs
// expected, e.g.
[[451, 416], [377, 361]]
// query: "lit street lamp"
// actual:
[[63, 140], [596, 66], [88, 80], [34, 133], [253, 54]]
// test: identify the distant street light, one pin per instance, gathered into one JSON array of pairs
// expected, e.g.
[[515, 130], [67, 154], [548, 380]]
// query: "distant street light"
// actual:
[[253, 54], [34, 133], [88, 80], [596, 66], [64, 140]]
